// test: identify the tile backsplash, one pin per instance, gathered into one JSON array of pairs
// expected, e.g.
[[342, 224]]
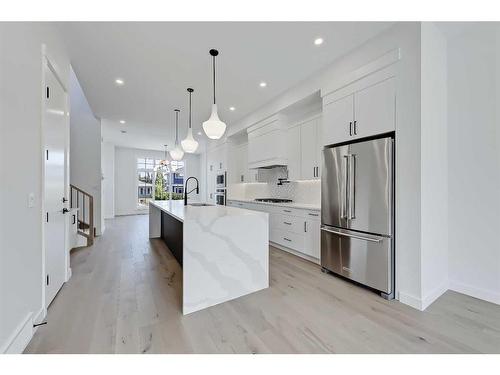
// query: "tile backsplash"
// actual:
[[306, 191]]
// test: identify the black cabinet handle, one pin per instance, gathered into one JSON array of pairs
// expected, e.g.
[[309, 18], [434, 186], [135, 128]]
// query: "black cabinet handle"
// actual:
[[313, 214], [355, 129], [287, 239], [350, 128], [287, 210], [74, 219], [287, 223], [64, 210]]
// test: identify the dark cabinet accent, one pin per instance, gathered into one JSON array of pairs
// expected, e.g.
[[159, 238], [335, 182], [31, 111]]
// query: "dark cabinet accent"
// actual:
[[172, 234]]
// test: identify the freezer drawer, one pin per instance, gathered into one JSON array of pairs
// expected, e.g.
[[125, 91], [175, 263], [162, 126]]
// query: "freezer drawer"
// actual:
[[364, 258]]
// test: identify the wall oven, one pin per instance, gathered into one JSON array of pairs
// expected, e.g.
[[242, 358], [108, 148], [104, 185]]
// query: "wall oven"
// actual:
[[220, 182], [220, 197]]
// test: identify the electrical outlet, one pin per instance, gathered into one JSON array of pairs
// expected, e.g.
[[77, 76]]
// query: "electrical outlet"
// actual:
[[31, 200]]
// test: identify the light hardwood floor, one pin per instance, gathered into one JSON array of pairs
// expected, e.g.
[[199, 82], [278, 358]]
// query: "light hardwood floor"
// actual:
[[124, 297]]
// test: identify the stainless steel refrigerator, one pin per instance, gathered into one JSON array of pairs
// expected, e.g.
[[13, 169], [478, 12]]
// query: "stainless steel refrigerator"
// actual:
[[357, 213]]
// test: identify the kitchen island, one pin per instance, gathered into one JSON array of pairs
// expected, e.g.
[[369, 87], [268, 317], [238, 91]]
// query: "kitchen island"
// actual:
[[223, 251]]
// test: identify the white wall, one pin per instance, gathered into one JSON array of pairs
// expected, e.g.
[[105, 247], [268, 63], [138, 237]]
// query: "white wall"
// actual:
[[21, 279], [434, 164], [108, 182], [474, 161], [85, 148]]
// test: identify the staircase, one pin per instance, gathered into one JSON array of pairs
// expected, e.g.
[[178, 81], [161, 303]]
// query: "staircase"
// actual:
[[84, 203]]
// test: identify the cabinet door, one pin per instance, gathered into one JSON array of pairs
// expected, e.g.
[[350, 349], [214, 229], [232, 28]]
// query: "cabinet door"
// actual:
[[243, 166], [337, 117], [293, 152], [308, 148], [313, 238], [375, 109]]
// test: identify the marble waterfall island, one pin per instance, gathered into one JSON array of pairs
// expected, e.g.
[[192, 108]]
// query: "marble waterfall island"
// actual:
[[223, 251]]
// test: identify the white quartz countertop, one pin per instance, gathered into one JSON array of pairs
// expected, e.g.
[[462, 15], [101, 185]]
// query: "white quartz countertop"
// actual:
[[305, 206], [177, 209], [225, 251]]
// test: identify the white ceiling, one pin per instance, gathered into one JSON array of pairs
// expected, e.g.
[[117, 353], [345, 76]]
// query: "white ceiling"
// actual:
[[158, 61]]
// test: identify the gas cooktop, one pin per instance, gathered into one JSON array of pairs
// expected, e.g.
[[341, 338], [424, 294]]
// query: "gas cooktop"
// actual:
[[273, 200]]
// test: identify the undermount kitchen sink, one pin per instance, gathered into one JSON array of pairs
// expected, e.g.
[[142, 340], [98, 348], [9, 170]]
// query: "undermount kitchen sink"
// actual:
[[200, 204]]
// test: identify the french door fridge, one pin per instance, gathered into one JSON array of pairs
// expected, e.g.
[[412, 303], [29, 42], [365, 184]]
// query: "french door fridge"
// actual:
[[357, 210]]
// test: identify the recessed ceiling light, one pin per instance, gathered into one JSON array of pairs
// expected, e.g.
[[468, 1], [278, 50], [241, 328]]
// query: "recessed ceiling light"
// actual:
[[318, 41], [122, 121], [262, 84], [199, 133], [232, 108], [123, 131], [119, 82]]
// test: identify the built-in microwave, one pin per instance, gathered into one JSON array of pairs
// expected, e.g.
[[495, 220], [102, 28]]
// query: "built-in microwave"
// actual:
[[220, 182], [220, 197]]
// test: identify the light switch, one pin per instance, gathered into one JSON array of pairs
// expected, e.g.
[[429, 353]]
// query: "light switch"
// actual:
[[31, 200]]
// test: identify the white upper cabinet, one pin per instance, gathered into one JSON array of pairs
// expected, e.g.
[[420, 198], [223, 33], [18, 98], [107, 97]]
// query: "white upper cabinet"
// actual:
[[293, 153], [304, 150], [338, 117], [375, 109], [309, 150], [363, 113]]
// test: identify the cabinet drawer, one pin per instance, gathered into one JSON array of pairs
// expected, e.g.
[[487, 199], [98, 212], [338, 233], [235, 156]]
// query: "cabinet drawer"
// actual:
[[313, 215], [286, 238], [289, 211], [288, 223]]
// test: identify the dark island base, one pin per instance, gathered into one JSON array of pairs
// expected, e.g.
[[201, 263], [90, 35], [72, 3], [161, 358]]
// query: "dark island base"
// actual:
[[172, 234]]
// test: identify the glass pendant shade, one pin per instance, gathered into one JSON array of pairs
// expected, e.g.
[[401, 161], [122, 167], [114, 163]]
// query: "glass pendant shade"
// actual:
[[177, 153], [214, 128], [189, 144]]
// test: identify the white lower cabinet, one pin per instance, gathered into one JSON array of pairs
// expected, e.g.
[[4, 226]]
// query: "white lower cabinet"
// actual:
[[292, 228]]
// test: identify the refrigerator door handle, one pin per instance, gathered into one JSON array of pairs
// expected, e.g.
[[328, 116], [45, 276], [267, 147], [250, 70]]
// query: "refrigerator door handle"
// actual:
[[352, 187], [357, 236], [345, 198]]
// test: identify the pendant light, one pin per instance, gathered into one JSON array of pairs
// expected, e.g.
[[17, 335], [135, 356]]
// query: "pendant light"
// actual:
[[177, 152], [189, 144], [214, 128]]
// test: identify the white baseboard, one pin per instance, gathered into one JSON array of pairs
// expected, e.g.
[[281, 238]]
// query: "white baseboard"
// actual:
[[434, 295], [410, 300], [20, 338], [470, 290], [69, 273]]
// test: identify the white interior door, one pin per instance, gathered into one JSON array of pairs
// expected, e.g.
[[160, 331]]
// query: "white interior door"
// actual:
[[54, 130]]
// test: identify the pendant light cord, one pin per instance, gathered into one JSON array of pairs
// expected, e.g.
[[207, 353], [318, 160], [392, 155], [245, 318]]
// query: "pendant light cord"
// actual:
[[189, 109], [214, 76], [176, 127]]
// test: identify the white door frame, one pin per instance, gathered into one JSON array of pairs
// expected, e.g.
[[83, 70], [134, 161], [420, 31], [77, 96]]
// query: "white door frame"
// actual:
[[46, 62]]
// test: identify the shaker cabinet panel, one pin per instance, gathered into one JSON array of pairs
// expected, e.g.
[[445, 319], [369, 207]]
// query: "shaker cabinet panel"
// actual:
[[293, 145], [309, 150], [375, 109], [337, 120]]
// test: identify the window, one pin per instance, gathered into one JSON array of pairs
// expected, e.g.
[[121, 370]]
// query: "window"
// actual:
[[154, 180]]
